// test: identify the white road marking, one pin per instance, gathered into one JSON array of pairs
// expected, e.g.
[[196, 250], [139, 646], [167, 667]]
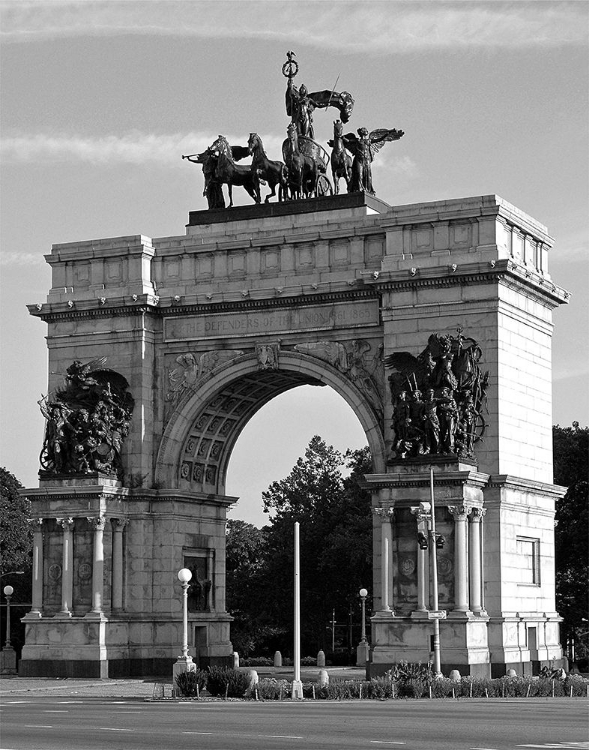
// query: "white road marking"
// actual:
[[115, 729], [559, 746], [387, 742], [54, 711], [281, 736], [197, 732], [38, 726]]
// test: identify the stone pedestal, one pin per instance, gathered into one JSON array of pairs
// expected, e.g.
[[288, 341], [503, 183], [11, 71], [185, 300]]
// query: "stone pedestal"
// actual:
[[8, 660], [404, 629], [106, 600], [362, 654]]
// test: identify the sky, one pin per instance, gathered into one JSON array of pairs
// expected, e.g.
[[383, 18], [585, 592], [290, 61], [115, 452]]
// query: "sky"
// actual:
[[99, 100]]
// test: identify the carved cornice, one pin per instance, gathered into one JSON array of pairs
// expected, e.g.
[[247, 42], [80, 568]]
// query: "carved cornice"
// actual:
[[422, 479], [508, 272], [519, 484], [167, 307]]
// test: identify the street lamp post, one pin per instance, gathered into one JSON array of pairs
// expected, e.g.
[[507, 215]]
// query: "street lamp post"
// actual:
[[8, 654], [8, 592], [184, 662], [363, 649]]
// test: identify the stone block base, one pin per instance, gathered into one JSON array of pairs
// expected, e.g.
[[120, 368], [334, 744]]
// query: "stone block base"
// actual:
[[112, 668]]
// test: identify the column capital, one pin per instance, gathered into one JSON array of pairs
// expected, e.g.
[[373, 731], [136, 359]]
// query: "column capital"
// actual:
[[422, 512], [459, 512], [97, 522], [477, 514], [67, 524], [36, 523], [119, 523], [385, 514]]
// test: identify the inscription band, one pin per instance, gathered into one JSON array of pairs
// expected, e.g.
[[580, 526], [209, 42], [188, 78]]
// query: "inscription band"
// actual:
[[315, 318]]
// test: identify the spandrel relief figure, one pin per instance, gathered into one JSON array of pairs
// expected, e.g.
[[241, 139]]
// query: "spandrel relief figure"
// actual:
[[189, 368], [450, 420], [87, 421]]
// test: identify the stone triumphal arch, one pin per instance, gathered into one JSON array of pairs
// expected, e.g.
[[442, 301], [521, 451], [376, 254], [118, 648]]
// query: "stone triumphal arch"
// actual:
[[201, 330]]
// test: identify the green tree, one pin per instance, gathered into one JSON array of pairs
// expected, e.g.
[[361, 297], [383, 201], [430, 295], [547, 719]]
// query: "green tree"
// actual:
[[571, 469], [245, 554], [16, 537], [16, 542], [335, 541]]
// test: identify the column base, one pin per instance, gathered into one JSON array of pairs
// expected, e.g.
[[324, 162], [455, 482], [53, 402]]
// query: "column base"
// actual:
[[37, 615], [65, 615], [460, 614], [99, 616], [419, 614], [383, 614]]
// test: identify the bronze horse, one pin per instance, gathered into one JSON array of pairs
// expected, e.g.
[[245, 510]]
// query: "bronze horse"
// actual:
[[230, 174], [302, 170], [272, 172], [341, 161]]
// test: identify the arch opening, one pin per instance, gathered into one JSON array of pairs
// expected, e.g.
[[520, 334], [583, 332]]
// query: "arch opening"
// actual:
[[278, 435]]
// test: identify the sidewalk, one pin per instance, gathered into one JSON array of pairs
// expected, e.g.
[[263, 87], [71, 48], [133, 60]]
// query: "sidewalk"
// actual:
[[143, 687]]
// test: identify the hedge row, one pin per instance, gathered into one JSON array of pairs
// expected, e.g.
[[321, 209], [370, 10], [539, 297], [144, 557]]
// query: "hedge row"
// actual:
[[413, 683]]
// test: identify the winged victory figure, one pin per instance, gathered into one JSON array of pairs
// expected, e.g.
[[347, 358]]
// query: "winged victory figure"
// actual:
[[364, 148]]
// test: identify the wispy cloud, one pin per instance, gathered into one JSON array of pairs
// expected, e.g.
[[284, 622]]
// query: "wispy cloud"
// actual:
[[132, 148], [366, 26], [147, 148], [21, 259]]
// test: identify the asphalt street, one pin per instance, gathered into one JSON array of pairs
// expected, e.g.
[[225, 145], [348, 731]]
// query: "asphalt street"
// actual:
[[72, 723]]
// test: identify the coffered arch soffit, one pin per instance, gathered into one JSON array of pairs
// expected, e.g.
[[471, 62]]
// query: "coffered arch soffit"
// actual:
[[202, 431]]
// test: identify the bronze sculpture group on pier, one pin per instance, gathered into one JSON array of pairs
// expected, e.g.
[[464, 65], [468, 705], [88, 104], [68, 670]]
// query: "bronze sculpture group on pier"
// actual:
[[303, 173]]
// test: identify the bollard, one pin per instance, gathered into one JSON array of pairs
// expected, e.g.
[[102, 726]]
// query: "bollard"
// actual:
[[254, 679], [323, 680], [321, 659], [235, 660], [455, 675], [277, 659]]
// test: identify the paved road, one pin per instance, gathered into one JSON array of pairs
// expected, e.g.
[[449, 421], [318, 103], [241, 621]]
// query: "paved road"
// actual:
[[71, 723]]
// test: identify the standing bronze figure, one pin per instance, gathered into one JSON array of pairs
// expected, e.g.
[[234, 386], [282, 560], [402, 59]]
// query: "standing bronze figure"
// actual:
[[364, 150]]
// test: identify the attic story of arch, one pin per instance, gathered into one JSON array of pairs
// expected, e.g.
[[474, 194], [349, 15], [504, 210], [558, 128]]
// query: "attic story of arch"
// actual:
[[303, 173]]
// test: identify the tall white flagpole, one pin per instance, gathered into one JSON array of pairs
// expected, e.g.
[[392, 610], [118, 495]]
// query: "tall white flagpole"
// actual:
[[433, 547], [297, 685]]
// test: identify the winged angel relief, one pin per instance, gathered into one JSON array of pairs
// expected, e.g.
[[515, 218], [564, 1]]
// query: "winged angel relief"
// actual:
[[192, 367], [438, 397]]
